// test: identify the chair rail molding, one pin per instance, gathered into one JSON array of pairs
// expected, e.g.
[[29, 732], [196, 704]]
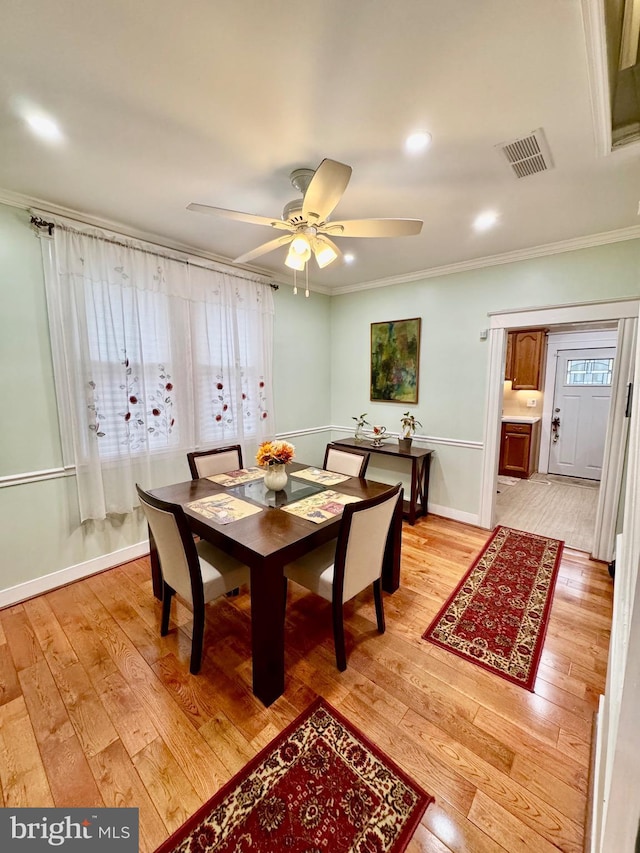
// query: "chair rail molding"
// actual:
[[36, 476], [425, 439]]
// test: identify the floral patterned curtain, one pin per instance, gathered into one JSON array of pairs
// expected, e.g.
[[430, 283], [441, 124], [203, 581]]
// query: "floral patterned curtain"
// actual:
[[154, 356]]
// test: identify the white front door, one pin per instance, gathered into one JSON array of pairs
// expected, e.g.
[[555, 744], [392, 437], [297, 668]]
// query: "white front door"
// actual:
[[580, 412]]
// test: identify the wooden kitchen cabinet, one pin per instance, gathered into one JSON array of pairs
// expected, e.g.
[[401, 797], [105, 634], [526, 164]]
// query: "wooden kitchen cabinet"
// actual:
[[525, 359], [508, 364], [519, 447]]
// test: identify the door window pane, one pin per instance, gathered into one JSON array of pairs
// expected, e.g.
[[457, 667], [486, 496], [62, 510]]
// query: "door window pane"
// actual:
[[591, 371]]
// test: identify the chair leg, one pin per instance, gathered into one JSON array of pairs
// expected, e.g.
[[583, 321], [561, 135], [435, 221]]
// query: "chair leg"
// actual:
[[167, 595], [338, 636], [197, 640], [377, 596]]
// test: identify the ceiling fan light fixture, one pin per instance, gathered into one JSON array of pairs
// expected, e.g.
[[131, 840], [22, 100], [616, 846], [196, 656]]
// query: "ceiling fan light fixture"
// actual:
[[295, 261], [325, 254], [300, 246], [306, 221]]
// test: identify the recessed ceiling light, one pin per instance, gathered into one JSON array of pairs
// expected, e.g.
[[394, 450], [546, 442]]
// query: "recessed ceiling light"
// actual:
[[44, 127], [349, 258], [485, 220], [417, 142]]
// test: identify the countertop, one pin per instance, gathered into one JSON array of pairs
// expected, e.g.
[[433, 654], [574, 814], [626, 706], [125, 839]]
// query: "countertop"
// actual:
[[518, 419]]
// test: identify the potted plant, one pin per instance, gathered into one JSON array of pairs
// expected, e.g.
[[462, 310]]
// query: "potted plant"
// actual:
[[360, 423], [409, 424]]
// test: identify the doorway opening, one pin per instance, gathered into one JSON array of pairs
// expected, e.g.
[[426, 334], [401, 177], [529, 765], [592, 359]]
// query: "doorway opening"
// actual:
[[560, 496], [623, 313]]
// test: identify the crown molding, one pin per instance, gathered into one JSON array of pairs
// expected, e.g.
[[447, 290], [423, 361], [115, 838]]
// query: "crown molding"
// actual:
[[633, 232], [571, 245], [27, 202]]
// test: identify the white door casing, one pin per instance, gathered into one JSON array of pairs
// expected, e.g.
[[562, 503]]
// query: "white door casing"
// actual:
[[549, 316], [580, 412]]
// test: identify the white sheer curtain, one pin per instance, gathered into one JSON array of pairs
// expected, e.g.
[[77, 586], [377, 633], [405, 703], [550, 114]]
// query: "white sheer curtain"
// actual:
[[153, 356]]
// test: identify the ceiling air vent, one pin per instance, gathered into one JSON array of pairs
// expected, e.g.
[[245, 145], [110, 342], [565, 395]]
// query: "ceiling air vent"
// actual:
[[528, 155]]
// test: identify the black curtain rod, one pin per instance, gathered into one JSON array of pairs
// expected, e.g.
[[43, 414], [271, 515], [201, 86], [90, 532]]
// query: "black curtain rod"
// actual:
[[38, 222], [42, 223]]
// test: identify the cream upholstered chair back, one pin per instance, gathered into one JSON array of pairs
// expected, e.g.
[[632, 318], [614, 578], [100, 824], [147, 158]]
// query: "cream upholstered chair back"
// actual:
[[366, 539], [197, 572], [171, 547], [338, 572], [206, 463], [341, 460]]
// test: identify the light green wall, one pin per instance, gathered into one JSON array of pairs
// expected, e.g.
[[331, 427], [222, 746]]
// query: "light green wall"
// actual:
[[453, 359], [321, 375], [302, 369], [30, 439]]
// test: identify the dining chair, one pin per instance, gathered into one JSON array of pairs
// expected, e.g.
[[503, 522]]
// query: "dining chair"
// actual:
[[206, 463], [198, 572], [337, 571], [346, 460]]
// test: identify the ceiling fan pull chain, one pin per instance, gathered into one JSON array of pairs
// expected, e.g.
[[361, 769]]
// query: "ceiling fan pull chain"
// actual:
[[306, 271], [295, 285]]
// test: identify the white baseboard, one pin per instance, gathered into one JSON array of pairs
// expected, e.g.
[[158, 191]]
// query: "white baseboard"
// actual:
[[455, 514], [38, 586]]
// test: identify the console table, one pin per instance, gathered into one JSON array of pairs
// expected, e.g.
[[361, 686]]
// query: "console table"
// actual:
[[420, 458]]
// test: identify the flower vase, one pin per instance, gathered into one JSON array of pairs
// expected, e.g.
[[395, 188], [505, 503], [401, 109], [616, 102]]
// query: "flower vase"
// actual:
[[359, 436], [275, 477]]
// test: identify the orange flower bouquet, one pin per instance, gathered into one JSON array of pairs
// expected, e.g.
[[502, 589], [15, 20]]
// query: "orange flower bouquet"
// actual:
[[274, 453]]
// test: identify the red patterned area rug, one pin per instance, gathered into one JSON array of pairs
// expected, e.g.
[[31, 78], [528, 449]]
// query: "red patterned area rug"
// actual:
[[319, 787], [497, 616]]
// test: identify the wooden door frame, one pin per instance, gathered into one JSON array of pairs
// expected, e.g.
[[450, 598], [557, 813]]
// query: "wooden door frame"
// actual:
[[549, 316]]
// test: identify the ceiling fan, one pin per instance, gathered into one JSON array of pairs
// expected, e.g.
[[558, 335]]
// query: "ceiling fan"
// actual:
[[306, 219]]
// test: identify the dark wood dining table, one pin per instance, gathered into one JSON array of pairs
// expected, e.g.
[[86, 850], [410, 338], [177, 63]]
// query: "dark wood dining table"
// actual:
[[266, 541]]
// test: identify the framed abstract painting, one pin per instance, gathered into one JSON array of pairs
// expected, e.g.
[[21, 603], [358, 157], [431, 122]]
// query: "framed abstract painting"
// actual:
[[395, 359]]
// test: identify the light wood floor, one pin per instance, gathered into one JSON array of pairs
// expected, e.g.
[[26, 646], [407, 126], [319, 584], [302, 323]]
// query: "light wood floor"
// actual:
[[97, 709], [559, 507]]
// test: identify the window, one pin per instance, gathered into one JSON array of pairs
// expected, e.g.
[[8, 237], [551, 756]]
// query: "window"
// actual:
[[589, 371], [131, 391], [154, 356]]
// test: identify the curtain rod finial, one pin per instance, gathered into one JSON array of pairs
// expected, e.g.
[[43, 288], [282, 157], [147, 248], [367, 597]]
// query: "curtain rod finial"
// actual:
[[37, 222]]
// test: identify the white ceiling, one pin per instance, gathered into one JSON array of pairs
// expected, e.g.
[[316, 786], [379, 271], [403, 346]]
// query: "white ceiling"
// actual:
[[216, 101]]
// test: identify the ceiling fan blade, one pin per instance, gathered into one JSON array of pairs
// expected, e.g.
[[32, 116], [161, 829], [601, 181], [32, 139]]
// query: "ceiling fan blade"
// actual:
[[325, 190], [373, 228], [264, 248], [240, 217]]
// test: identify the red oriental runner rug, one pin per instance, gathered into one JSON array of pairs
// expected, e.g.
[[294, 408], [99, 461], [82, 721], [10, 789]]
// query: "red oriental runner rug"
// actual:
[[320, 786], [497, 616]]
